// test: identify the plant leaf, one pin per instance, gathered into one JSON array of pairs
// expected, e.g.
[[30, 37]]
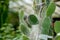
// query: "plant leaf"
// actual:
[[3, 11], [33, 19], [46, 25], [21, 14], [24, 29], [25, 38], [57, 26], [50, 9]]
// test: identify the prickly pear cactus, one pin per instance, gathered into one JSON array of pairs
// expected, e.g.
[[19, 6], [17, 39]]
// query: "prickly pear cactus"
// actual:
[[57, 30], [47, 20]]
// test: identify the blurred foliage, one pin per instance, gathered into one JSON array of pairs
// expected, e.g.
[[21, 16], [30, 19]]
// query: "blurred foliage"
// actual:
[[57, 30], [9, 22], [13, 26], [3, 11]]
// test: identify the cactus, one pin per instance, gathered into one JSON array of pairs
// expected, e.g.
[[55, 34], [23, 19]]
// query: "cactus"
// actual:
[[57, 30], [36, 20]]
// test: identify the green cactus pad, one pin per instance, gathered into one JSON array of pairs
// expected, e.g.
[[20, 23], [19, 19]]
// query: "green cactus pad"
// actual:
[[33, 19], [57, 26], [50, 9]]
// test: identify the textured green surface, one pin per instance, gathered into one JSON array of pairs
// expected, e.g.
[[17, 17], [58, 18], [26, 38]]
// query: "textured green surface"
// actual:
[[33, 19], [57, 26], [50, 9], [21, 14], [24, 29], [46, 25]]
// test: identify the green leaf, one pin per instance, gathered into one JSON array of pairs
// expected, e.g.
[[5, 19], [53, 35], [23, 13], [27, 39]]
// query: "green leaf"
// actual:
[[50, 9], [24, 29], [21, 14], [57, 26], [33, 19], [3, 11], [25, 38], [46, 25]]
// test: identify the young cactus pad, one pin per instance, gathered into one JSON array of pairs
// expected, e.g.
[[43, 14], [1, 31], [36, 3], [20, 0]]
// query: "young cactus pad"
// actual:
[[50, 9], [57, 26], [24, 29], [46, 25], [33, 19]]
